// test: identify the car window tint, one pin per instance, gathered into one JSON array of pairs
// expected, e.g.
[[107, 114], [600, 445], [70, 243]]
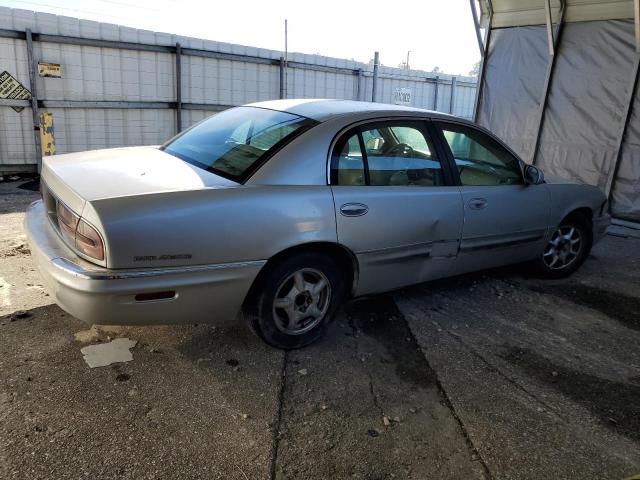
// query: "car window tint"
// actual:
[[401, 155], [480, 159], [232, 143], [348, 163]]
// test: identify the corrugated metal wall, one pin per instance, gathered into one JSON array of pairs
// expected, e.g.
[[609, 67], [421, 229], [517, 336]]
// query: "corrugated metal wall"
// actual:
[[97, 74]]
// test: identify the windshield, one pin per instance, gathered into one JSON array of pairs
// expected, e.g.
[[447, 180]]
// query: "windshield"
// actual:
[[234, 143]]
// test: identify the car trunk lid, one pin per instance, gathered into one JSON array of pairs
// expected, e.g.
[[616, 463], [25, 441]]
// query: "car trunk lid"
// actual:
[[78, 177]]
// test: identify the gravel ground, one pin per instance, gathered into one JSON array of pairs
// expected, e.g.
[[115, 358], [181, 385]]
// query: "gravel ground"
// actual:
[[489, 376]]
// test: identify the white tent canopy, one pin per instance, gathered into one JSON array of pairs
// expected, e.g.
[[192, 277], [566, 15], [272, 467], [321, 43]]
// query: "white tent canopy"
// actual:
[[517, 13], [559, 84]]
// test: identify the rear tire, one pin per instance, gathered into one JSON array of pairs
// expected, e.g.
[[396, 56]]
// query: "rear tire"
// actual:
[[295, 300], [567, 248]]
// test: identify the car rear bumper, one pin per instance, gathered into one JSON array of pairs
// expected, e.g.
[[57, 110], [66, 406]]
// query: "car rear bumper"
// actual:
[[202, 293]]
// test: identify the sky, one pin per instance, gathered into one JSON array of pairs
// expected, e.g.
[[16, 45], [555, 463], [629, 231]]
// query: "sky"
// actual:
[[438, 33]]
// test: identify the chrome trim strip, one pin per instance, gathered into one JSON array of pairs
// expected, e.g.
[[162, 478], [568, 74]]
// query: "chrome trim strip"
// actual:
[[71, 268], [406, 247], [500, 241]]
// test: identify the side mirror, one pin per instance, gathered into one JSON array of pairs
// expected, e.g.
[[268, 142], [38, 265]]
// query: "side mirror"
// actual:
[[533, 175]]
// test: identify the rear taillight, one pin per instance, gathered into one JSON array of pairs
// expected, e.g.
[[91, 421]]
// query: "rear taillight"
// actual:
[[88, 241], [67, 221], [79, 233]]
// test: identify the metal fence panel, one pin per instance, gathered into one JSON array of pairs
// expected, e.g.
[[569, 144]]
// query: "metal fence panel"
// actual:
[[97, 67]]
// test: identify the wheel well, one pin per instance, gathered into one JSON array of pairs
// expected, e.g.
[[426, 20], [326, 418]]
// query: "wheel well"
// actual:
[[344, 257], [583, 212]]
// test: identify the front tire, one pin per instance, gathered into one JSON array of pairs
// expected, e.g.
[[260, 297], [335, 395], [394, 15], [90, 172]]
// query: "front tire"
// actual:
[[567, 248], [295, 300]]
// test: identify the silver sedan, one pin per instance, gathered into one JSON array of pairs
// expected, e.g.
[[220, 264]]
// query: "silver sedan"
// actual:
[[281, 210]]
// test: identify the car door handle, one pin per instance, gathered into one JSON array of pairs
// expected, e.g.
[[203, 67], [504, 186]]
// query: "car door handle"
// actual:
[[477, 203], [353, 209]]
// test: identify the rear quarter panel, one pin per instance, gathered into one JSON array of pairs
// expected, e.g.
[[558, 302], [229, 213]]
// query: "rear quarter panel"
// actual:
[[212, 226]]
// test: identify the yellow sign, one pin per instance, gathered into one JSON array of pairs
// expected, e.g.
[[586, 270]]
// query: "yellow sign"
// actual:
[[12, 89], [47, 142], [49, 70]]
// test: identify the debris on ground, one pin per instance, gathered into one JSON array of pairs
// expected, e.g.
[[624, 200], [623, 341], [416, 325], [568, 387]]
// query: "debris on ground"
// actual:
[[104, 354], [123, 377], [15, 249], [87, 336], [303, 371], [19, 315], [98, 333]]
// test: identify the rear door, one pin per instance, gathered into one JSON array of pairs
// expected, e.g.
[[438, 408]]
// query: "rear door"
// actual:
[[505, 220], [396, 207]]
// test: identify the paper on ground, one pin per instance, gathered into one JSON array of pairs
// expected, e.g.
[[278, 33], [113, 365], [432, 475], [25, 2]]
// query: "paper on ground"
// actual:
[[107, 353]]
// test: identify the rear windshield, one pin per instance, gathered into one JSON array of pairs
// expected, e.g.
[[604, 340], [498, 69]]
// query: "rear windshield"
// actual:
[[234, 143]]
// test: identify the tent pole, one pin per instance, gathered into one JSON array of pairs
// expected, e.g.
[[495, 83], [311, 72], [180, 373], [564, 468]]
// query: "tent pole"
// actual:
[[550, 40], [553, 42], [476, 24], [613, 172], [483, 56]]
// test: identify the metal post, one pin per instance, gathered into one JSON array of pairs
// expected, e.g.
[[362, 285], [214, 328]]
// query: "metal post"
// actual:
[[359, 85], [281, 77], [631, 92], [549, 75], [286, 58], [178, 88], [34, 98], [636, 18], [476, 23], [483, 62], [435, 93], [376, 63], [453, 91], [550, 41]]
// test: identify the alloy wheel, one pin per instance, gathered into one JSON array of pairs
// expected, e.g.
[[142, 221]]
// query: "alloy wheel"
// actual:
[[301, 301], [564, 247]]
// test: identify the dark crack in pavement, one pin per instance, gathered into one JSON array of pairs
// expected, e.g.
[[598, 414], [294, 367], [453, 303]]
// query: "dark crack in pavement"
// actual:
[[364, 403]]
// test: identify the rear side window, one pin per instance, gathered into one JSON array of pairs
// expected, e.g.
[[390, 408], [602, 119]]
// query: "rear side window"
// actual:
[[234, 143], [350, 162], [387, 154]]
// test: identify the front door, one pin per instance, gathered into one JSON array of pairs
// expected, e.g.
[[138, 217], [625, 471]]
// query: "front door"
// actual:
[[395, 206], [505, 220]]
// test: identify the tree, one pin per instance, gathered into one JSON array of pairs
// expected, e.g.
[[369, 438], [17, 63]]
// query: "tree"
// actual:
[[475, 71], [436, 69]]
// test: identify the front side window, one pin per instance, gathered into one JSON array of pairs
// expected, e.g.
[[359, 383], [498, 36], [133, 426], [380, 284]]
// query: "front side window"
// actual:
[[391, 154], [234, 142], [480, 160]]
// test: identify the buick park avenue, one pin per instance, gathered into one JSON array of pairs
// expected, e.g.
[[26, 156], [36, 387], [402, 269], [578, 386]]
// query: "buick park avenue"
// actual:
[[277, 212]]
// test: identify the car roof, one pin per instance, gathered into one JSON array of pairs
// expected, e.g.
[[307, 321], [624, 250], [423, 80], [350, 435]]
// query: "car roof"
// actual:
[[325, 109]]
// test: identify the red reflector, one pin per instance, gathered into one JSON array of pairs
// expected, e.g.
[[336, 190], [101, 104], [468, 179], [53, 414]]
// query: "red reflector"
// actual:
[[145, 297]]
